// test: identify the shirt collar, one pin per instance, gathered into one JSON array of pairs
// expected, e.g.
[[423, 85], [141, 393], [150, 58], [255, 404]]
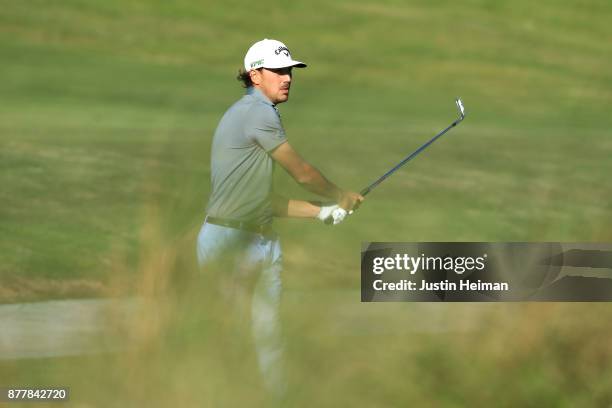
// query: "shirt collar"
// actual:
[[257, 94]]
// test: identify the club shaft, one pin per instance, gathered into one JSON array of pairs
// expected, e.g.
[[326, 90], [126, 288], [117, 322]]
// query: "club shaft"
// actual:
[[372, 186]]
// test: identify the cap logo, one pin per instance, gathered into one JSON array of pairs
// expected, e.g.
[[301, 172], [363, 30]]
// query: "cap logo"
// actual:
[[256, 63], [284, 50]]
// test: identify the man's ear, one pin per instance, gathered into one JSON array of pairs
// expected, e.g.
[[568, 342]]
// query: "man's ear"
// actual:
[[255, 76]]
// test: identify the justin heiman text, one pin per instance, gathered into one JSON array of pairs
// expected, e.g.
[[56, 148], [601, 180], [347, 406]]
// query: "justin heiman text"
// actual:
[[405, 284]]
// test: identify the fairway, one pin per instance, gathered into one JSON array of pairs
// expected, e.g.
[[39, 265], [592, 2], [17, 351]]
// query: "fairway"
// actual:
[[107, 116]]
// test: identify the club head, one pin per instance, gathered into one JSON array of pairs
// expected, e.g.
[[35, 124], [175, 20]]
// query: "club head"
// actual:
[[460, 108]]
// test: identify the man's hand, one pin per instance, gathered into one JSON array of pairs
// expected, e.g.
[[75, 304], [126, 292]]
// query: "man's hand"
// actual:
[[332, 214], [350, 201]]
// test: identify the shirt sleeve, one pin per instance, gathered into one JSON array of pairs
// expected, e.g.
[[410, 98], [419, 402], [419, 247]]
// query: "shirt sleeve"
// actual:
[[264, 127]]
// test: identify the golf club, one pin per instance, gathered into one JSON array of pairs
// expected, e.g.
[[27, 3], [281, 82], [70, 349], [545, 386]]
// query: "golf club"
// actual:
[[372, 186]]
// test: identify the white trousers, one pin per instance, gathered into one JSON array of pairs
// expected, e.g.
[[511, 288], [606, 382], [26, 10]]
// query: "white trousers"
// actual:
[[252, 256]]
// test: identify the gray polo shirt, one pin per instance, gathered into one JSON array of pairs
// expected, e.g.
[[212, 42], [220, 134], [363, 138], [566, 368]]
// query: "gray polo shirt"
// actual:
[[241, 167]]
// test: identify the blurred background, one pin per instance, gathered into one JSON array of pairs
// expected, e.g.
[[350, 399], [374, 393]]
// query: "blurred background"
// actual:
[[108, 110]]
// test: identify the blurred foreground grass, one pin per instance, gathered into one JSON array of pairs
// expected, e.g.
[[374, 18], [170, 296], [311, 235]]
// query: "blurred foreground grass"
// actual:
[[184, 352], [107, 115]]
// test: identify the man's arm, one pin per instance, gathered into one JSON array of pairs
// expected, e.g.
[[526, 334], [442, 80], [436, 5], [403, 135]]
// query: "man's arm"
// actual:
[[283, 207], [330, 214], [311, 179]]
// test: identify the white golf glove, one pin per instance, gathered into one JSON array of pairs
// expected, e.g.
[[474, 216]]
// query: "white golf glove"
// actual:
[[332, 214]]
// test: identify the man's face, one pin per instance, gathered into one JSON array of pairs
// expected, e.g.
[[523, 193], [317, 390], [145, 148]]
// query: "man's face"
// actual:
[[274, 83]]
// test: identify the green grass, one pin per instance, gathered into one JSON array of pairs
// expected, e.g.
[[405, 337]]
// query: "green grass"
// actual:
[[107, 113]]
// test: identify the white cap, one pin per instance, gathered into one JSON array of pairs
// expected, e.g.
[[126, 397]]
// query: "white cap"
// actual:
[[269, 54]]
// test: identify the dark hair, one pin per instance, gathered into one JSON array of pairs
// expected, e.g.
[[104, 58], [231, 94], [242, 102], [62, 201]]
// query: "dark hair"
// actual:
[[245, 78]]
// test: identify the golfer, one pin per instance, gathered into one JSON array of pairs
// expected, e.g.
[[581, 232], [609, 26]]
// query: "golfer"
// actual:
[[237, 232]]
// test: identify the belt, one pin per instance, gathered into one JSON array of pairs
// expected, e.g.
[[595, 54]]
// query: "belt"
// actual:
[[263, 229]]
